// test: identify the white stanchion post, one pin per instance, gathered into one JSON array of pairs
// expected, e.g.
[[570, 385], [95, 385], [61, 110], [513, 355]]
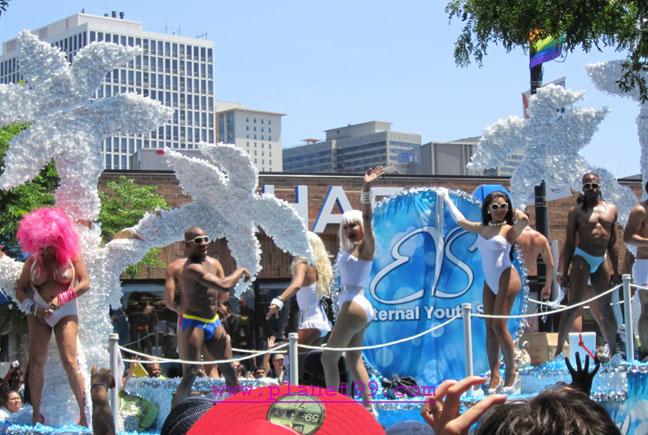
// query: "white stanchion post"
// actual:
[[629, 323], [466, 309], [114, 367], [293, 357]]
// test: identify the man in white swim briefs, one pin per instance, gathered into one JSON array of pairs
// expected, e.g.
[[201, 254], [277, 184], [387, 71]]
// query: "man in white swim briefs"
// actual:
[[636, 233], [591, 232]]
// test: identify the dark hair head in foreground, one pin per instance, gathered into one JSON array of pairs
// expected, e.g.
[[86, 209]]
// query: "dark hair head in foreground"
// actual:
[[560, 410], [185, 414]]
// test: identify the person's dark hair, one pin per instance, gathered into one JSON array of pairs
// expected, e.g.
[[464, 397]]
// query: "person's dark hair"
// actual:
[[646, 187], [174, 371], [185, 414], [486, 217], [555, 411]]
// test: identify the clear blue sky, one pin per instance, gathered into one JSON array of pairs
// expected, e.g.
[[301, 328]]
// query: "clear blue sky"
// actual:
[[329, 63]]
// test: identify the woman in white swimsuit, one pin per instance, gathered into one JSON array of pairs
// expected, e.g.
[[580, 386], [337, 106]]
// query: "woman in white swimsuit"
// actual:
[[357, 247], [52, 278], [497, 232], [311, 284]]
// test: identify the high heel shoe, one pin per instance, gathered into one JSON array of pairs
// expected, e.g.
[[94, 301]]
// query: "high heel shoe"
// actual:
[[515, 388], [497, 388]]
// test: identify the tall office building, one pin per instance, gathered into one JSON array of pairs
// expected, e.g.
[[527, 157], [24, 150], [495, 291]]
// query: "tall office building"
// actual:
[[175, 70], [451, 158], [256, 131], [356, 147]]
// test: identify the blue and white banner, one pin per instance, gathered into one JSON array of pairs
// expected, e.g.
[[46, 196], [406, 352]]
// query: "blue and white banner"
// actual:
[[425, 268]]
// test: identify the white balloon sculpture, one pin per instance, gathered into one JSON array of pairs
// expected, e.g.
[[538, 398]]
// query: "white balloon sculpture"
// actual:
[[67, 125], [605, 76], [550, 140]]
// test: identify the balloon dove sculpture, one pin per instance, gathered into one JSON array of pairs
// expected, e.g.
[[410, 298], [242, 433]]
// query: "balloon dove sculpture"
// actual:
[[222, 183], [549, 142], [67, 124]]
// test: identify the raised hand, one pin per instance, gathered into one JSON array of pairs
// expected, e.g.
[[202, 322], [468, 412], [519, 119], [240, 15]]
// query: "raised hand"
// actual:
[[245, 274], [442, 410], [273, 310], [372, 175], [442, 193], [581, 377]]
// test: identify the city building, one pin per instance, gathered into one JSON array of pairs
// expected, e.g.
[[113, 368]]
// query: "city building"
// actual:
[[175, 70], [256, 131], [451, 158], [356, 147]]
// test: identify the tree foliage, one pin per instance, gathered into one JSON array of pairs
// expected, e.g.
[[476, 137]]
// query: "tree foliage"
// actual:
[[588, 24], [17, 202], [4, 4], [123, 204]]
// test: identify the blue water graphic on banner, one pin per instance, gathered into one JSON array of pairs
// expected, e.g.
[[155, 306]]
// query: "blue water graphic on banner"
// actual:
[[425, 267]]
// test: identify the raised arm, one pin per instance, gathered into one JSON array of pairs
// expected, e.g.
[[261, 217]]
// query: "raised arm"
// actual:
[[199, 273], [521, 222], [631, 232], [297, 282], [368, 244], [457, 216]]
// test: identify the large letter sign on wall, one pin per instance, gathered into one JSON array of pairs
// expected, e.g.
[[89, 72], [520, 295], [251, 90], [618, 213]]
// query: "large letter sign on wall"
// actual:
[[425, 267], [335, 195]]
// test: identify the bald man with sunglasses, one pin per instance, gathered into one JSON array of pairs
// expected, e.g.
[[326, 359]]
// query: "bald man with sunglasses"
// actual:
[[591, 232], [201, 285]]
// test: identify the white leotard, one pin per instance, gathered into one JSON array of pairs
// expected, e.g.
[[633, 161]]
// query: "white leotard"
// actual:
[[353, 277], [495, 259], [311, 313]]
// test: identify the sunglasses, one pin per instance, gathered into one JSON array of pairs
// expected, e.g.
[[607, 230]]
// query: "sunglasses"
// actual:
[[495, 206], [198, 240], [588, 186]]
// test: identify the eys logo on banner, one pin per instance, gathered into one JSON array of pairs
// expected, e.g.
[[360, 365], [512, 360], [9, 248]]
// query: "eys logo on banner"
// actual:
[[425, 267]]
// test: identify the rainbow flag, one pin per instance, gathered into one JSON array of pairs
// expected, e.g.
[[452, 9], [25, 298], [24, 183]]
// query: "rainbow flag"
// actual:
[[545, 50]]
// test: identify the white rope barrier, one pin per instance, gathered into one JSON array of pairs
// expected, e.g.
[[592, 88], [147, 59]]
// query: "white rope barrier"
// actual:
[[278, 349], [546, 313], [545, 303], [224, 361], [377, 346], [639, 287]]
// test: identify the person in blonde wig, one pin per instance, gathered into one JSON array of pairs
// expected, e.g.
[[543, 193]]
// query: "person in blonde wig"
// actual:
[[310, 283], [357, 246]]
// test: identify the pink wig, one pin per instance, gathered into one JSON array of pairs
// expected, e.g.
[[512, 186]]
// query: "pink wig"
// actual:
[[48, 226]]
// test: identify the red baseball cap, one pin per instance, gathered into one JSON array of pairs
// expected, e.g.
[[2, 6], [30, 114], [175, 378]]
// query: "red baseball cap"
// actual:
[[287, 409]]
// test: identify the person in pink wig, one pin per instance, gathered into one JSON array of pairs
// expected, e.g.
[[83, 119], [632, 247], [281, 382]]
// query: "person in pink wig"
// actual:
[[53, 277]]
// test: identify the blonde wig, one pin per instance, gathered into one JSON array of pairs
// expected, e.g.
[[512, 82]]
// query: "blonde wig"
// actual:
[[322, 264], [349, 217]]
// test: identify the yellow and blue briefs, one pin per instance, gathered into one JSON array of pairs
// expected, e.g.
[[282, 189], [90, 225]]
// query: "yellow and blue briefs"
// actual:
[[207, 325]]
